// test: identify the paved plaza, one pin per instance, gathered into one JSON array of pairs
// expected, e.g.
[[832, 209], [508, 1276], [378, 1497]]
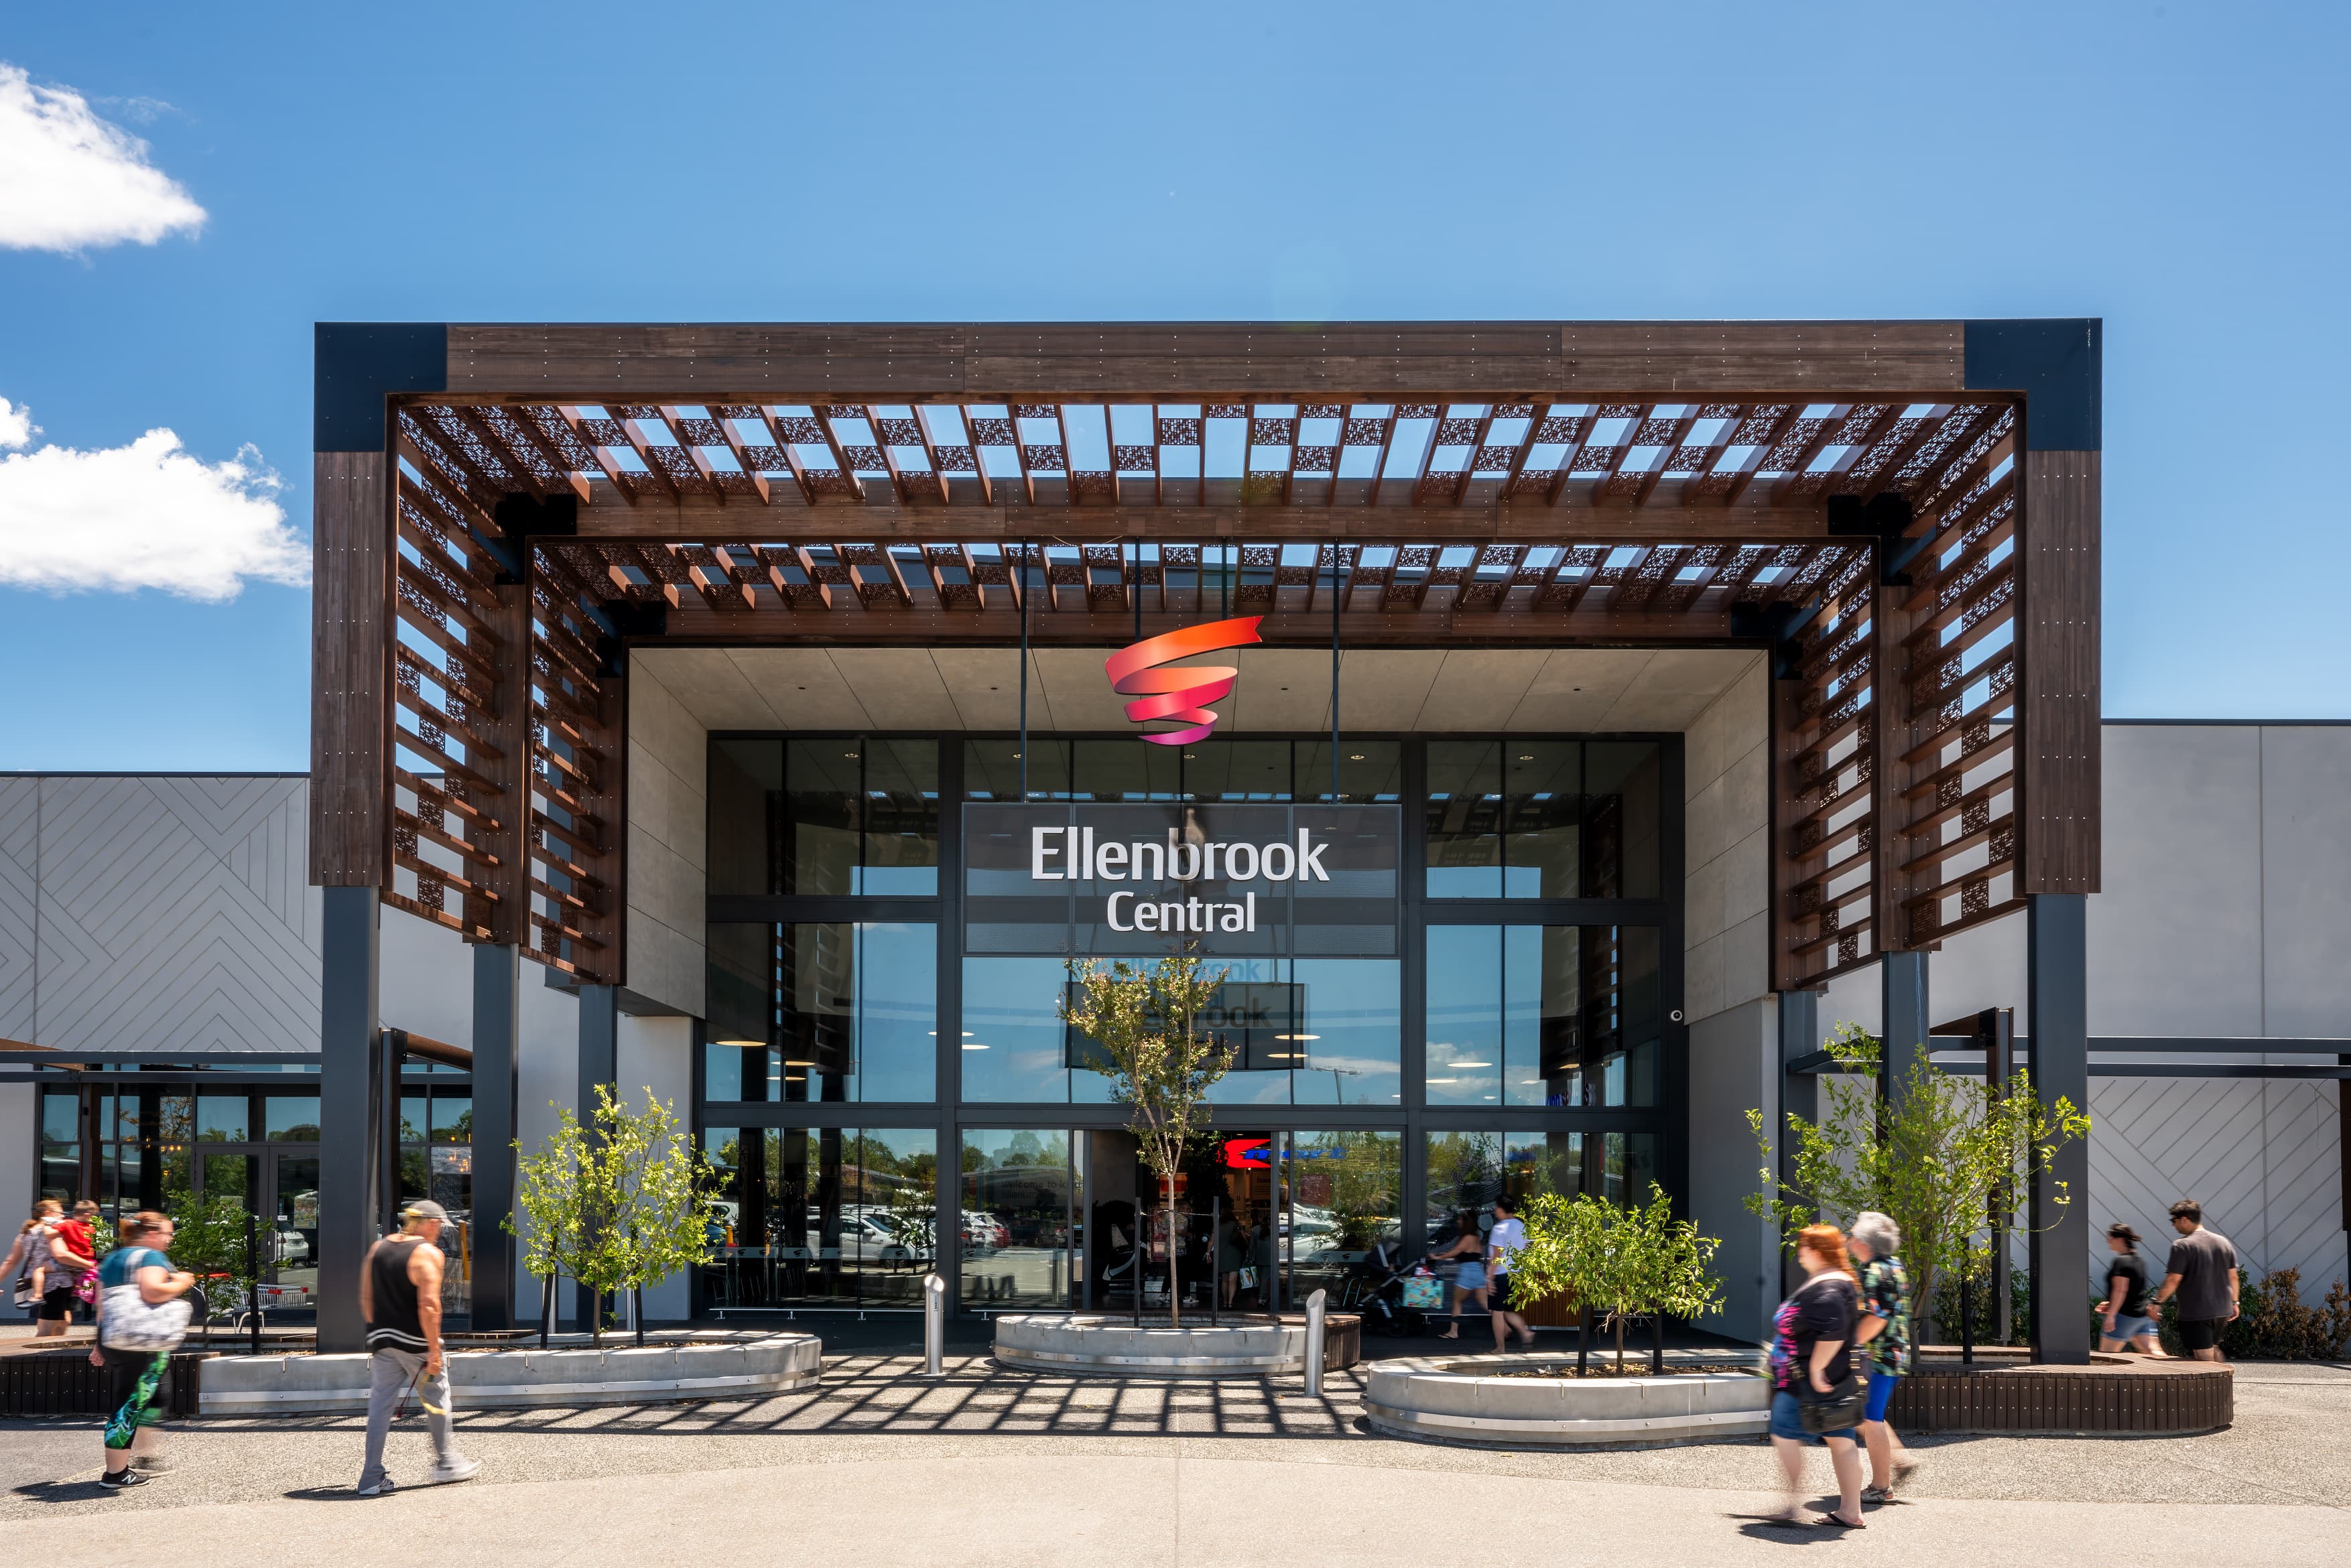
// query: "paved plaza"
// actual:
[[880, 1464]]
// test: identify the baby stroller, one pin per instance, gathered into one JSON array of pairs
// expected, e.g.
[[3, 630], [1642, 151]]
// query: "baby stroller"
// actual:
[[1376, 1293]]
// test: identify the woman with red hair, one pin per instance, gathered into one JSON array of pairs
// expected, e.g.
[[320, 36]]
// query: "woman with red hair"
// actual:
[[1812, 1380]]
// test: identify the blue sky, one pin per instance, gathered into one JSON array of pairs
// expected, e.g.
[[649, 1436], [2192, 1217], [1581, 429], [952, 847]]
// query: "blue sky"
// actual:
[[2179, 171]]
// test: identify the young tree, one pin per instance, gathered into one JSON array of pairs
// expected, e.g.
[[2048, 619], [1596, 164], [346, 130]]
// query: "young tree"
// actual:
[[1619, 1263], [1162, 1062], [1941, 1160], [619, 1204], [210, 1242]]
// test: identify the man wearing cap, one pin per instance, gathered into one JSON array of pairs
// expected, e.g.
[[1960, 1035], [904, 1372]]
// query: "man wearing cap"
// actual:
[[400, 1296]]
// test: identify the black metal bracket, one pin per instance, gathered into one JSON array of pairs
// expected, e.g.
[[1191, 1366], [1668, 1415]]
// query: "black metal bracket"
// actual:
[[520, 518], [1885, 517]]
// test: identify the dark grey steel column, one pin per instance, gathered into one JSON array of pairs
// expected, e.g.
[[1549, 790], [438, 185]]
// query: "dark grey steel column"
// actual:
[[1902, 989], [2056, 985], [600, 1064], [1800, 1092], [497, 1013], [349, 975]]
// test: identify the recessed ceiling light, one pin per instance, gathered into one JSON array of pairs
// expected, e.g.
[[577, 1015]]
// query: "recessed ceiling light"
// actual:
[[799, 1064], [1298, 1036], [973, 1045], [1525, 757], [745, 1044], [1355, 756], [850, 754], [1462, 1065]]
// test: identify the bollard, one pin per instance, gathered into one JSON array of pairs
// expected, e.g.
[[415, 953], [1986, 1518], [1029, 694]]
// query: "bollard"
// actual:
[[1314, 1305], [935, 1322]]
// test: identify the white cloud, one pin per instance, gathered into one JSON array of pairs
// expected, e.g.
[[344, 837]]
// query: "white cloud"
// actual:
[[148, 515], [69, 180]]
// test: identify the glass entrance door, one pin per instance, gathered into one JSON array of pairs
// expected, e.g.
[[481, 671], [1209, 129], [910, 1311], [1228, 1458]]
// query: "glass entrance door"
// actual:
[[292, 1192], [1226, 1240]]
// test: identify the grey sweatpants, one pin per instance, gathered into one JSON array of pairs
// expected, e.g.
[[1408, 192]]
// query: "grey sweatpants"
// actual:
[[394, 1371]]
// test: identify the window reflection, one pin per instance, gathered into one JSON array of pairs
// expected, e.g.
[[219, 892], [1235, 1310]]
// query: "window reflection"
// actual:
[[1542, 1015], [1346, 1197], [1017, 1207], [817, 817], [821, 1217], [1464, 812], [821, 1010]]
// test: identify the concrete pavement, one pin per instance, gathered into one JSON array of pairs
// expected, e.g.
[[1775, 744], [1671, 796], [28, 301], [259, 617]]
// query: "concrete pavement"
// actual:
[[989, 1467]]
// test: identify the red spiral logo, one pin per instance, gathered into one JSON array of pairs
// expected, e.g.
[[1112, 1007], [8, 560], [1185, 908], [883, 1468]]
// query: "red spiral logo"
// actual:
[[1179, 695]]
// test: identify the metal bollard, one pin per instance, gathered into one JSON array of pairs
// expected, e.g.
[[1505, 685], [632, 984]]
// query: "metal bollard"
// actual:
[[935, 1322], [1314, 1305]]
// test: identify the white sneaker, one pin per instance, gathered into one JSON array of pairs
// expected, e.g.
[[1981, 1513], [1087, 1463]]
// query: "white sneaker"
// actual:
[[384, 1488], [458, 1469]]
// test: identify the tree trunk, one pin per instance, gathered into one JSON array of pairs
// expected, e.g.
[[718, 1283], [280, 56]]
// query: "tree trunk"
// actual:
[[1174, 1309], [596, 1319], [1620, 1344]]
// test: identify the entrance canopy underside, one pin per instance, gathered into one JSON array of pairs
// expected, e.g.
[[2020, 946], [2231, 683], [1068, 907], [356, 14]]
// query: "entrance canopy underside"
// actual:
[[505, 513]]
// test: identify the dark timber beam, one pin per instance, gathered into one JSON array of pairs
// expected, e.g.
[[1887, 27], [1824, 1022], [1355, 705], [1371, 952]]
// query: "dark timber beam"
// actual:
[[2058, 366]]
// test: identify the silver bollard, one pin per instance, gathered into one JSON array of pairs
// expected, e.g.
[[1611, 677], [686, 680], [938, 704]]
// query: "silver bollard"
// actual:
[[1314, 1304], [935, 1322]]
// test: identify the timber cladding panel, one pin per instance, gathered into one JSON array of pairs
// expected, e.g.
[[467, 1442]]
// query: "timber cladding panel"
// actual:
[[350, 597], [2060, 658], [1169, 359], [2116, 1396]]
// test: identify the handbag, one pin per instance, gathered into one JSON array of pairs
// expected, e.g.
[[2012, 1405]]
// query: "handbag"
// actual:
[[1423, 1294], [127, 1320], [1249, 1278], [1838, 1410]]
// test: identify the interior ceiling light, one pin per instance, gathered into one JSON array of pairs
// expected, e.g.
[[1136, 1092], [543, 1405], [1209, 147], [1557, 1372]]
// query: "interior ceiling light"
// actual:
[[1355, 756], [851, 755], [1525, 757], [1443, 1081], [1462, 1065], [799, 1064], [1298, 1036], [745, 1044], [973, 1045]]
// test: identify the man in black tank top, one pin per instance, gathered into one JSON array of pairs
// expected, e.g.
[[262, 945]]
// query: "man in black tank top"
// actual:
[[400, 1296]]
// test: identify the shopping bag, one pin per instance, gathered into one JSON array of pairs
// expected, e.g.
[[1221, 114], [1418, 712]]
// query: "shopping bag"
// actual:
[[1423, 1294]]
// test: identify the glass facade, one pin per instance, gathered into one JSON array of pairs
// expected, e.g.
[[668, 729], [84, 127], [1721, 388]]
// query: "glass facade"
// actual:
[[1525, 1039]]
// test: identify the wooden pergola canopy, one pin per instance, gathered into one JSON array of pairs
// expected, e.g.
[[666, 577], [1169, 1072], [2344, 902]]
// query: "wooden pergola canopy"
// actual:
[[503, 510]]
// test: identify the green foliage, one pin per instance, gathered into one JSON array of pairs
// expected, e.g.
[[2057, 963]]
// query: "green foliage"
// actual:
[[1938, 1159], [1620, 1262], [2273, 1324], [1162, 1063], [619, 1204], [209, 1241]]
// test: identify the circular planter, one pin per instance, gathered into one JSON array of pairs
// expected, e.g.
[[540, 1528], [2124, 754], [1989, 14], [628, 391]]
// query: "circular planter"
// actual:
[[1456, 1400], [1244, 1347]]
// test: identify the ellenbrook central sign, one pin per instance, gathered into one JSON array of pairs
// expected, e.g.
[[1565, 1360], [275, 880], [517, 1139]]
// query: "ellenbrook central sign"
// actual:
[[1072, 854], [1080, 879]]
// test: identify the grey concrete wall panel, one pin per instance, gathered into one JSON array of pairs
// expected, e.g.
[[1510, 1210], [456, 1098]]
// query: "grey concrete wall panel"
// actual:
[[1734, 1068], [668, 770], [2305, 918], [2176, 936], [1984, 967], [1726, 778], [175, 916]]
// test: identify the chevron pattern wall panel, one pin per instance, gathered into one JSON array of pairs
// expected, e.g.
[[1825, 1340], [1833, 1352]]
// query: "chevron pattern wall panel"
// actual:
[[162, 913], [2263, 1156], [20, 816]]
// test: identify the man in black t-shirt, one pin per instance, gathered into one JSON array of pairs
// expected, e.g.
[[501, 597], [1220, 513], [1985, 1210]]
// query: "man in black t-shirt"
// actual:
[[2202, 1272]]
